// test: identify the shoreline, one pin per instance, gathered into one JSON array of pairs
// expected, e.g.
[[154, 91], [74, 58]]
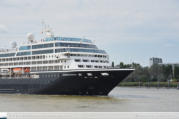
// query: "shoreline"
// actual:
[[150, 84]]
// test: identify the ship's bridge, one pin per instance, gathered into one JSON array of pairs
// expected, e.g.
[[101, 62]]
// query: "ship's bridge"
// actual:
[[67, 39]]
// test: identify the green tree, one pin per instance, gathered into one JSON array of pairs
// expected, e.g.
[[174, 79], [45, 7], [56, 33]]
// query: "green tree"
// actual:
[[121, 65], [176, 72], [156, 72], [112, 64], [167, 72]]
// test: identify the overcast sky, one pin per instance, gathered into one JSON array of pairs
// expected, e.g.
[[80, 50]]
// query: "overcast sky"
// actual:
[[129, 30]]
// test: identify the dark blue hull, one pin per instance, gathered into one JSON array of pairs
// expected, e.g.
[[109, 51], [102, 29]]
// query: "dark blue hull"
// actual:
[[89, 82]]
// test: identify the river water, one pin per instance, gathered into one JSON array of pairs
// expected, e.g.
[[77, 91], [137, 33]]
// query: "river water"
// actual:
[[121, 99]]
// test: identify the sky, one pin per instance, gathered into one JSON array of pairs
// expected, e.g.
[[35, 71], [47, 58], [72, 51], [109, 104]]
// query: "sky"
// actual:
[[129, 30]]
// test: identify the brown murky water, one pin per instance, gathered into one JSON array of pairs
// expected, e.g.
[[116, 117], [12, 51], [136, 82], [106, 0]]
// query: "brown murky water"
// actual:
[[121, 99]]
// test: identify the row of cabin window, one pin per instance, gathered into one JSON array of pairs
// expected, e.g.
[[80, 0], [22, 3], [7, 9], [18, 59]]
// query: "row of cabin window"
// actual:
[[22, 58], [79, 50], [100, 56], [27, 53], [75, 45], [49, 68], [34, 52], [25, 58], [36, 46], [43, 57], [56, 51], [23, 53], [42, 52], [33, 62], [97, 61], [42, 46], [61, 50], [7, 55], [68, 50], [90, 66]]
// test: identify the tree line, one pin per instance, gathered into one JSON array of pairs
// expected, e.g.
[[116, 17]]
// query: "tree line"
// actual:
[[154, 73]]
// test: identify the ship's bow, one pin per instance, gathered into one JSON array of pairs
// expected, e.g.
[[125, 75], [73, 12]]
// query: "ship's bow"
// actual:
[[87, 82]]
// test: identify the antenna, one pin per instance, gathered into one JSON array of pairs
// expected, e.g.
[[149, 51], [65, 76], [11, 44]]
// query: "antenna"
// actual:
[[43, 26], [46, 30], [43, 23]]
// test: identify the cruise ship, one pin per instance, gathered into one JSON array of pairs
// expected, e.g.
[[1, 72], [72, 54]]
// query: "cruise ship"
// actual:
[[58, 65]]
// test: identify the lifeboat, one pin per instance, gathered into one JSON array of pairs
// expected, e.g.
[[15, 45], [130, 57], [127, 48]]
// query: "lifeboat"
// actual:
[[21, 70], [17, 70], [27, 69]]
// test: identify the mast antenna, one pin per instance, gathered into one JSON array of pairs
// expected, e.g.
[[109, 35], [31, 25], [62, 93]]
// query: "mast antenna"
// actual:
[[46, 30]]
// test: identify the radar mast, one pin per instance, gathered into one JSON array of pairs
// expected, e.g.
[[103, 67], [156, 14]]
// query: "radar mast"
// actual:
[[46, 30]]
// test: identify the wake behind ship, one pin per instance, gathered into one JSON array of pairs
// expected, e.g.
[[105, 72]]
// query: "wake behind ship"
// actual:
[[58, 65]]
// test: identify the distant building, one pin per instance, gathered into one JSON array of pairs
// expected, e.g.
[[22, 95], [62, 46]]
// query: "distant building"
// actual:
[[155, 60]]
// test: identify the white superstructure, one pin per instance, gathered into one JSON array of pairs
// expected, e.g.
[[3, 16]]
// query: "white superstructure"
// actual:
[[52, 54]]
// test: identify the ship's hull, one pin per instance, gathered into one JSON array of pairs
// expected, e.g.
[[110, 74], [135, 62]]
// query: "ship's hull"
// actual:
[[79, 82]]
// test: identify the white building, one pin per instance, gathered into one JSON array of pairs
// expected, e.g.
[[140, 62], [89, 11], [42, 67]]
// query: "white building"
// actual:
[[155, 60]]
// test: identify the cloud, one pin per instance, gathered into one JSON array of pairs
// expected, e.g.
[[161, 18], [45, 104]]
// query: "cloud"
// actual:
[[108, 22], [3, 29]]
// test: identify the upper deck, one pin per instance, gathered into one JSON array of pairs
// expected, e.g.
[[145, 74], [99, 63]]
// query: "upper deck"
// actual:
[[53, 45]]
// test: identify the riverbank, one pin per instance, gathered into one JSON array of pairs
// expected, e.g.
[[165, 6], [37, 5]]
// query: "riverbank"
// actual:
[[149, 84]]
